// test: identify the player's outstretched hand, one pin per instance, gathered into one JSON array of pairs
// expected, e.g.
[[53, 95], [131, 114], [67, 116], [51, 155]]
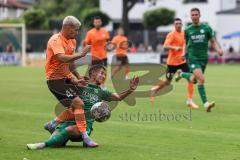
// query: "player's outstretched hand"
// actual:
[[134, 83], [178, 48], [83, 81], [85, 50], [110, 46], [220, 52]]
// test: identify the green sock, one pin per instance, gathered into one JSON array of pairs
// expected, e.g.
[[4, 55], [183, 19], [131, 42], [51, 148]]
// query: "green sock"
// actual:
[[57, 139], [202, 93], [186, 75]]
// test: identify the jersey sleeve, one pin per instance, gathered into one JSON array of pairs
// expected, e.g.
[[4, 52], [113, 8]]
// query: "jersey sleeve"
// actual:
[[106, 95], [211, 33], [114, 40], [87, 39], [169, 39], [56, 46]]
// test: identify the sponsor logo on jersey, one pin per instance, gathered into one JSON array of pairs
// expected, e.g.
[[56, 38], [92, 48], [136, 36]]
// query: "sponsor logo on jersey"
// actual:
[[198, 38], [92, 97]]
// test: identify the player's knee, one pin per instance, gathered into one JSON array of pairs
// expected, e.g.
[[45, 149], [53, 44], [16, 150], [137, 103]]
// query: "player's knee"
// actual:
[[201, 80], [77, 103], [73, 131]]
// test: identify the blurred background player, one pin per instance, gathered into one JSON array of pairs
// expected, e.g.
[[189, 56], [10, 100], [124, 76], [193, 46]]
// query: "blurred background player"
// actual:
[[90, 95], [97, 37], [61, 72], [197, 36], [174, 43], [121, 53]]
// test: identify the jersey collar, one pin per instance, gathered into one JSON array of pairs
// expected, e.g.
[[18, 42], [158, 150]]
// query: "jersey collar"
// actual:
[[63, 38], [93, 85]]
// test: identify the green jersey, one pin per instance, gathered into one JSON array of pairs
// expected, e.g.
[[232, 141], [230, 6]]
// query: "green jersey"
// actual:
[[197, 38], [91, 95]]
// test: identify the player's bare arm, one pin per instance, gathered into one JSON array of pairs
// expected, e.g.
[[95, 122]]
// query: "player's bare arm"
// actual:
[[132, 87], [216, 46], [184, 50], [84, 44], [77, 79], [177, 48], [70, 58], [81, 82], [73, 69]]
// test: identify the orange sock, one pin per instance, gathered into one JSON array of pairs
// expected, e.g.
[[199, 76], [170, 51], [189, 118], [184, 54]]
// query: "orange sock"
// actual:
[[65, 116], [190, 90], [80, 119]]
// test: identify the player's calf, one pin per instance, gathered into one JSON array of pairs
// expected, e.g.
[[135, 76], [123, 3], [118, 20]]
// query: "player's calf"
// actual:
[[161, 84]]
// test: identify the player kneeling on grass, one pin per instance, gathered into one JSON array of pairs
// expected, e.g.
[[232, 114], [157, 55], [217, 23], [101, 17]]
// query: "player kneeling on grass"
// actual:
[[68, 131], [90, 96]]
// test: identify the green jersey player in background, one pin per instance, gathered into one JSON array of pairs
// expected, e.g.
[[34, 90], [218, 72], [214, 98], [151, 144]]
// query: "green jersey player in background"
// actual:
[[197, 36], [90, 95]]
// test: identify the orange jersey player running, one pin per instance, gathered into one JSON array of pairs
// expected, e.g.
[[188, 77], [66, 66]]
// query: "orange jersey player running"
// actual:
[[97, 38], [175, 61], [121, 53], [61, 74]]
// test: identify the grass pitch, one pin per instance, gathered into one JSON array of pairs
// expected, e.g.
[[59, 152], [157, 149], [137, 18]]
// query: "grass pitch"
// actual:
[[133, 132]]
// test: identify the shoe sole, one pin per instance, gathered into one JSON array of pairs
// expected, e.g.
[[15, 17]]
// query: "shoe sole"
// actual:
[[177, 79], [86, 146], [189, 105], [28, 147], [210, 107]]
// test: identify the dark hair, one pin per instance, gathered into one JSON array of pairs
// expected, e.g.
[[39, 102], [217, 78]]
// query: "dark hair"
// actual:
[[195, 9], [120, 26], [94, 68], [177, 19], [97, 17]]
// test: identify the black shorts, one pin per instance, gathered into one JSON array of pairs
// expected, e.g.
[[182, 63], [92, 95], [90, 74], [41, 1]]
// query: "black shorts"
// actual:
[[171, 70], [63, 90], [101, 62], [122, 60]]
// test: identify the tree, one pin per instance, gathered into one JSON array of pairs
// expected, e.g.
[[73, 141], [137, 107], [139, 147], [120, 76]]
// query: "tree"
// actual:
[[88, 16], [34, 18], [56, 10], [61, 8], [127, 6], [158, 17]]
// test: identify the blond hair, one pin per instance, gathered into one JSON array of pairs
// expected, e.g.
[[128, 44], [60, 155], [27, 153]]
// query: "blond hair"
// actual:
[[71, 20]]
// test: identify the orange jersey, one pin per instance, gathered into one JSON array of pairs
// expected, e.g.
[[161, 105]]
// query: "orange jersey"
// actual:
[[97, 39], [117, 40], [56, 69], [175, 39]]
